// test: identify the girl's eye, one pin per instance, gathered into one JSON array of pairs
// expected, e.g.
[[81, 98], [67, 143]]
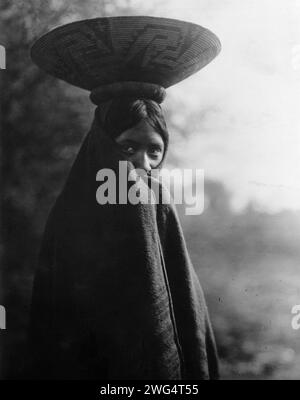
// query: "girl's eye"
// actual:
[[155, 151], [128, 149]]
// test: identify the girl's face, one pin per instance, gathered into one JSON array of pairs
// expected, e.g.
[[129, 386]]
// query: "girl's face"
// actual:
[[142, 145]]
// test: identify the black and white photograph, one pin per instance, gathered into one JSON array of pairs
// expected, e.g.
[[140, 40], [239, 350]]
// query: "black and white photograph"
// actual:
[[150, 193]]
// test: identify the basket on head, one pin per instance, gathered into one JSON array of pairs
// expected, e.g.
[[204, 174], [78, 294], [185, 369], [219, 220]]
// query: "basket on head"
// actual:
[[104, 53]]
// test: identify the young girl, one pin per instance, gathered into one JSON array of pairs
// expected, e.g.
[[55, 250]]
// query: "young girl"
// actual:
[[115, 294]]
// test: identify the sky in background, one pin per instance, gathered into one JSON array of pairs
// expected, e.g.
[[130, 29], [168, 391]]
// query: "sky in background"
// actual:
[[247, 132]]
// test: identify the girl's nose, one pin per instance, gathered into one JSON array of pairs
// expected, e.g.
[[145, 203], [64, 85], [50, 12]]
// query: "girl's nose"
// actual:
[[141, 160]]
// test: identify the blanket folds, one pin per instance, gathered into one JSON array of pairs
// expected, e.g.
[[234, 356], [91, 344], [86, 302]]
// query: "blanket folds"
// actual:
[[115, 294]]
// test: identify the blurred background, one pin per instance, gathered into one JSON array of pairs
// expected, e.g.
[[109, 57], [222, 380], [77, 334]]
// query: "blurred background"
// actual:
[[237, 119]]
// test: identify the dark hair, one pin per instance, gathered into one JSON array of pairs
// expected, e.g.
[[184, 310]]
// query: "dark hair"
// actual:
[[125, 113]]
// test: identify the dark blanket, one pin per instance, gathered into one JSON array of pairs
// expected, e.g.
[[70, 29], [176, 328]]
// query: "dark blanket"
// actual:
[[115, 294]]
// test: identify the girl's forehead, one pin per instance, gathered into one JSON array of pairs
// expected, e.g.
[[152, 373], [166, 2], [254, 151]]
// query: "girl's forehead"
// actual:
[[142, 132]]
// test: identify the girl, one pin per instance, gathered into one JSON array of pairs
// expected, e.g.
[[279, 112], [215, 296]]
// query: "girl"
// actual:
[[115, 294]]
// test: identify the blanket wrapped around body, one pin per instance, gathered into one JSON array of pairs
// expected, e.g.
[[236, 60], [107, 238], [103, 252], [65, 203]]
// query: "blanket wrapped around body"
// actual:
[[115, 294]]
